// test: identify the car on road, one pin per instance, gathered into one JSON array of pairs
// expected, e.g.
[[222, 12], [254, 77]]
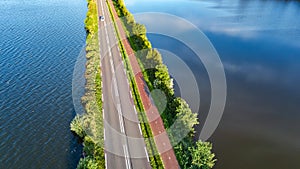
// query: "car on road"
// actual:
[[101, 18]]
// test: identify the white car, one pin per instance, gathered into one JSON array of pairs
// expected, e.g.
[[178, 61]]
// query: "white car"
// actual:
[[101, 18]]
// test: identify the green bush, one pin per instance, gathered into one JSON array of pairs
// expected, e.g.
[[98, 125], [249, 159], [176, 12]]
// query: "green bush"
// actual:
[[87, 163], [76, 126], [202, 157]]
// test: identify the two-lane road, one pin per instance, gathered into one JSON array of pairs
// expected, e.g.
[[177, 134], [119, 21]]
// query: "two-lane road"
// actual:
[[124, 144]]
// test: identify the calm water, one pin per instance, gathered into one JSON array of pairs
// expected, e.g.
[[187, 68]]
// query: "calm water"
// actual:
[[258, 43], [39, 43]]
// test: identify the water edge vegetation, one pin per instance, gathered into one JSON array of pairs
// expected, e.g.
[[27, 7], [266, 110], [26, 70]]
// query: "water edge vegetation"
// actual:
[[89, 126]]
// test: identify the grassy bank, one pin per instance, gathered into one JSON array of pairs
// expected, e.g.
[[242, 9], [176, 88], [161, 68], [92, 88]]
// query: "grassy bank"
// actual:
[[89, 126], [189, 154]]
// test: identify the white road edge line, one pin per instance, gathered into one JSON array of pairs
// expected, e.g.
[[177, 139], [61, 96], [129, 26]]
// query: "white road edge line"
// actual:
[[146, 154], [112, 66], [119, 108], [116, 88], [104, 133], [121, 123], [127, 154], [112, 70], [105, 158], [140, 129], [134, 109], [102, 7], [127, 166], [130, 92], [111, 62], [109, 52]]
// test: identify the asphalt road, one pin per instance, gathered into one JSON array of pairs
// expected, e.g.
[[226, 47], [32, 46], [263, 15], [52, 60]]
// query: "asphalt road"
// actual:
[[123, 140]]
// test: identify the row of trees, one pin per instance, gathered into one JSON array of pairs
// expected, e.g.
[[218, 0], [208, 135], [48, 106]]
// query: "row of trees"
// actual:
[[89, 126], [178, 118]]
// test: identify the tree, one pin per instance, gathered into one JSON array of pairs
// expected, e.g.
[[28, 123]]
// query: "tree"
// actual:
[[138, 29], [163, 80], [186, 116], [153, 58], [129, 19], [185, 120], [202, 157], [183, 155], [76, 126], [87, 163]]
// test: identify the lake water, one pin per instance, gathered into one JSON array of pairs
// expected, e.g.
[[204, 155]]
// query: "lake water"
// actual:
[[259, 45], [39, 43]]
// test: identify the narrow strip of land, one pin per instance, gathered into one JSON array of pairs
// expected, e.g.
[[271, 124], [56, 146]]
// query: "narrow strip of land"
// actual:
[[124, 144]]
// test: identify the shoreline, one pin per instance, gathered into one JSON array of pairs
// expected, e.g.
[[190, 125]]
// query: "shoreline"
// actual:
[[89, 126]]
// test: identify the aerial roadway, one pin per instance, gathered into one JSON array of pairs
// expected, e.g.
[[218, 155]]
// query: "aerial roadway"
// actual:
[[123, 141]]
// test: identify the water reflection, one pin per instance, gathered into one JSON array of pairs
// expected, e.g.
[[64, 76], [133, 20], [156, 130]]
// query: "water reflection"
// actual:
[[258, 42]]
